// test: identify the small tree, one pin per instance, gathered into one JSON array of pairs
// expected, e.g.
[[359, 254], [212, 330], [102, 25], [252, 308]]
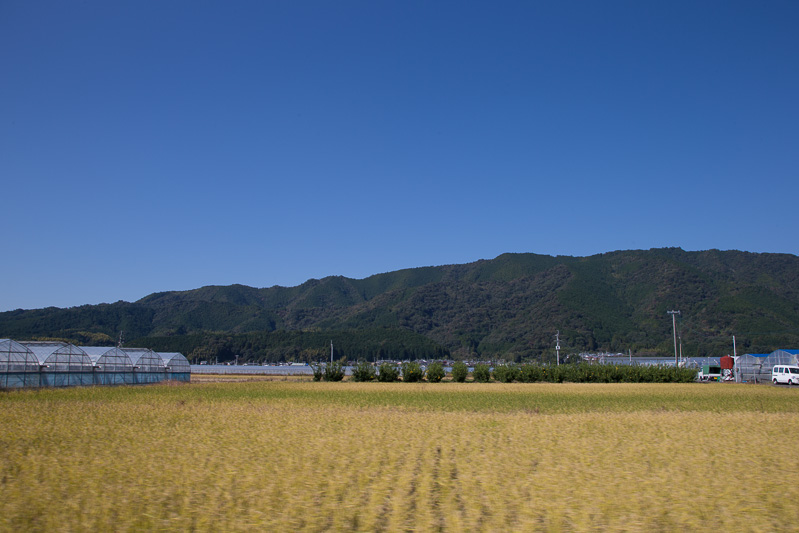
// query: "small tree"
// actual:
[[387, 372], [459, 372], [334, 371], [318, 371], [412, 372], [481, 373], [363, 371], [435, 372]]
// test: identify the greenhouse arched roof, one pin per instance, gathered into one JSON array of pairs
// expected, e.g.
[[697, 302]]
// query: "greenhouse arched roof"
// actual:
[[145, 360], [107, 358], [16, 357], [175, 361], [60, 356]]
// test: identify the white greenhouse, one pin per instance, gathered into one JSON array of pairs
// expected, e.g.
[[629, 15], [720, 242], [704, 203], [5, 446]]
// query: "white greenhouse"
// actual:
[[112, 366], [63, 364], [148, 366], [756, 367], [60, 364], [178, 367], [19, 366]]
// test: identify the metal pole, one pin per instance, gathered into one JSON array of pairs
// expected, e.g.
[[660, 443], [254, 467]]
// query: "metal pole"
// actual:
[[557, 347], [674, 327]]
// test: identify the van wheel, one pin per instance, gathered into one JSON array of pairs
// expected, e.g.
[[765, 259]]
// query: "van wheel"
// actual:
[[775, 381]]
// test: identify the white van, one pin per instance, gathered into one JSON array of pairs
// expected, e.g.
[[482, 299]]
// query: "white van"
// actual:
[[785, 374]]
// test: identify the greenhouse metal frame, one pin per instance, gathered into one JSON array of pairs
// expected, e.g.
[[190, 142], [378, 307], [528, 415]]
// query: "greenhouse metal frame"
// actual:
[[19, 366], [60, 364], [112, 366], [148, 367], [63, 364], [177, 366]]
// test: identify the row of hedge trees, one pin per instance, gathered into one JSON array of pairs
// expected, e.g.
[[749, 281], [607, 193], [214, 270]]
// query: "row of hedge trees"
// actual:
[[586, 373], [411, 372]]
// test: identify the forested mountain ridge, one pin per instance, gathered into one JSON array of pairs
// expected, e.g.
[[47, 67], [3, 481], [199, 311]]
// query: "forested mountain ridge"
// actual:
[[508, 307]]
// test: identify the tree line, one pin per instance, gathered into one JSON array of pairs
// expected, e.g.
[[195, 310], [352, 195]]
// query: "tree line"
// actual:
[[299, 346]]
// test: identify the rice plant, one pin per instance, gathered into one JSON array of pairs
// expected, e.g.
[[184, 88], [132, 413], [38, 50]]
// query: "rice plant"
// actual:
[[308, 456]]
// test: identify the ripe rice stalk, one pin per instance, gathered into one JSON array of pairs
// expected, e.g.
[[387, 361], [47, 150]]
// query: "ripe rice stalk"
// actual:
[[393, 456]]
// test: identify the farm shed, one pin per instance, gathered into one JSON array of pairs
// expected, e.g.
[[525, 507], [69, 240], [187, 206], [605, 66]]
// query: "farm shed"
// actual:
[[178, 367], [756, 367], [61, 364], [148, 367], [19, 366], [112, 366]]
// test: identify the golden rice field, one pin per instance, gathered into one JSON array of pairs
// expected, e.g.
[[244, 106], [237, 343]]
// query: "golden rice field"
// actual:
[[293, 455]]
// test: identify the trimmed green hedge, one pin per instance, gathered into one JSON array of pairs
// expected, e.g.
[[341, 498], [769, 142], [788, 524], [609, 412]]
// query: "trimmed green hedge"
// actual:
[[585, 373]]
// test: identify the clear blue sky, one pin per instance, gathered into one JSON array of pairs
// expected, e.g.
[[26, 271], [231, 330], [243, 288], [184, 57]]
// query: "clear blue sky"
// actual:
[[149, 146]]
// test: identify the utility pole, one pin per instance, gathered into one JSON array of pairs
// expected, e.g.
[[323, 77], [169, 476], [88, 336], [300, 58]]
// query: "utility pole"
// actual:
[[674, 327], [557, 346], [331, 351]]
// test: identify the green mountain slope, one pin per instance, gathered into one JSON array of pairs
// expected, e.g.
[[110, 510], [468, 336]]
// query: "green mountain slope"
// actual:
[[509, 307]]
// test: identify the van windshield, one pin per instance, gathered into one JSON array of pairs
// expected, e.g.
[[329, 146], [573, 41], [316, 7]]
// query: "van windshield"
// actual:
[[794, 370]]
